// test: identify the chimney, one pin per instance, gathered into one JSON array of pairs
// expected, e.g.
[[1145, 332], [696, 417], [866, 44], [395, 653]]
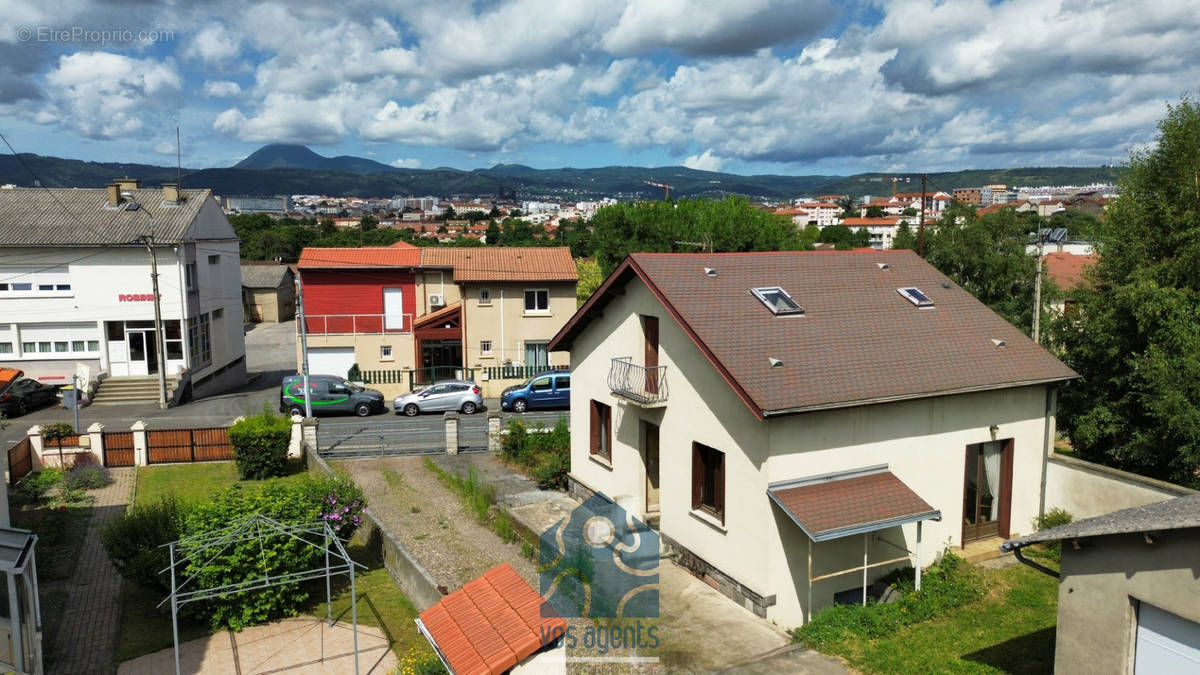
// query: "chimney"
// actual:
[[114, 194], [170, 193], [128, 183]]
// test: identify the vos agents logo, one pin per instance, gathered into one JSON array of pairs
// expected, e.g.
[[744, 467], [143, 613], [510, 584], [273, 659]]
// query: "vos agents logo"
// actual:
[[599, 562]]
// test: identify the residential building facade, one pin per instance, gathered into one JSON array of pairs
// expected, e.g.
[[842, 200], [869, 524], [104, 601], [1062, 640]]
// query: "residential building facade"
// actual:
[[76, 287], [779, 417], [437, 310]]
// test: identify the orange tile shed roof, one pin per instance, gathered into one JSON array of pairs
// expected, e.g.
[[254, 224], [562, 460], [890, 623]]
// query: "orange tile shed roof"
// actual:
[[472, 263], [365, 256], [491, 624]]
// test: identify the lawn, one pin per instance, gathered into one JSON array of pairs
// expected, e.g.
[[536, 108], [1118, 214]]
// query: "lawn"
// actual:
[[146, 629], [192, 482], [1009, 630]]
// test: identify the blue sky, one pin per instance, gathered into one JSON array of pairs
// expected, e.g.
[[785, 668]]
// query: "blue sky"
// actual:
[[752, 86]]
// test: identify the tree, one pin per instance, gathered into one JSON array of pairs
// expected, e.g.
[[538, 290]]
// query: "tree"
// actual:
[[687, 226], [368, 223], [905, 237], [493, 236], [986, 256], [327, 227], [908, 211], [1134, 332], [846, 203], [448, 214], [590, 279], [494, 213], [874, 211]]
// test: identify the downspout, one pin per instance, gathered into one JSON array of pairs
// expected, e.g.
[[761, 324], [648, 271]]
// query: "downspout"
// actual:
[[502, 309], [1016, 551], [1047, 445]]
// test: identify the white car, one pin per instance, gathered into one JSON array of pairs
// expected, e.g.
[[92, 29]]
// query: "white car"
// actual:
[[461, 395]]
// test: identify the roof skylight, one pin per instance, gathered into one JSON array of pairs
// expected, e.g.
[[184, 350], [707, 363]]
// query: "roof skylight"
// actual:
[[777, 300], [915, 296]]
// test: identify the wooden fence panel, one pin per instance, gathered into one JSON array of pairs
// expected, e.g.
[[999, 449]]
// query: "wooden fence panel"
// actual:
[[211, 445], [169, 445], [118, 448], [20, 460]]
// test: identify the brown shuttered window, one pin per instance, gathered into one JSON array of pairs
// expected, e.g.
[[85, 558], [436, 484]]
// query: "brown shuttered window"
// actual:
[[708, 480], [600, 443]]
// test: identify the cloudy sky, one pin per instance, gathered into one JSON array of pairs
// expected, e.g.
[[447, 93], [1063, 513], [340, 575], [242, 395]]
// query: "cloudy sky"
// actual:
[[746, 86]]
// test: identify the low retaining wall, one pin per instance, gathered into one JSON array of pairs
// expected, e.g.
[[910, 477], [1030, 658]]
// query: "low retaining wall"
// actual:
[[408, 573], [1085, 489]]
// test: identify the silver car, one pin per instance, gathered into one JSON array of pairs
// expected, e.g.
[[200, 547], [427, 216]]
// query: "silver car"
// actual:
[[462, 395]]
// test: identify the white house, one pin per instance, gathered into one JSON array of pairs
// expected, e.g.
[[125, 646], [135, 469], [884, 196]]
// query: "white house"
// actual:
[[76, 288], [780, 415]]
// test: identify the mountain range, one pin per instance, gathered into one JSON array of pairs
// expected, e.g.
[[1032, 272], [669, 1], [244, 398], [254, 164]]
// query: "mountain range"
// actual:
[[295, 169]]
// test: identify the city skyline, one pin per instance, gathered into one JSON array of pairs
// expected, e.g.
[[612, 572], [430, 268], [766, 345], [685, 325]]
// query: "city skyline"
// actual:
[[747, 88]]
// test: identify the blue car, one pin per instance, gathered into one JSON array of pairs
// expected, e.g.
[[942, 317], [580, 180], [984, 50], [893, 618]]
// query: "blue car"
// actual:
[[545, 391]]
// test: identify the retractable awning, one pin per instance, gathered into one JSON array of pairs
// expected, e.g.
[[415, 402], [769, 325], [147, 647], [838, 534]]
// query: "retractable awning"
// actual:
[[836, 505], [860, 501]]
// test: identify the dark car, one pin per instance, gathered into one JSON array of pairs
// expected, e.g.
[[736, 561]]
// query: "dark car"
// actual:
[[542, 392], [328, 394], [20, 395], [462, 395]]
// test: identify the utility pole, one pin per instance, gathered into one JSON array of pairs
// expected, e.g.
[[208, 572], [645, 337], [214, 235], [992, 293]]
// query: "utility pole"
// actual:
[[158, 330], [921, 227], [1037, 289], [303, 347]]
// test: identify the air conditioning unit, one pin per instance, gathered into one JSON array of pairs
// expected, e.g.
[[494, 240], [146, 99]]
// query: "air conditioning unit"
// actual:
[[436, 300]]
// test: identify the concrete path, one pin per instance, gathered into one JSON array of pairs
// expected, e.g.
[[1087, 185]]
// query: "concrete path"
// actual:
[[87, 636], [303, 645]]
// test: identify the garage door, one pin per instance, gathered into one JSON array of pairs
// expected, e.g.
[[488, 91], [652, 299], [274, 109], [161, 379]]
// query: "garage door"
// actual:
[[330, 360], [1166, 643]]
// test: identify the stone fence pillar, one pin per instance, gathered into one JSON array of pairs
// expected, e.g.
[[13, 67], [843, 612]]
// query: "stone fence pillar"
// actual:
[[451, 433], [140, 446], [96, 434], [35, 446], [493, 432], [308, 434]]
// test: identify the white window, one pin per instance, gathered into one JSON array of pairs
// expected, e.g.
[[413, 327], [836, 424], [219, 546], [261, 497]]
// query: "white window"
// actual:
[[51, 281], [385, 352], [485, 346], [6, 348], [393, 309], [537, 300], [485, 296], [777, 300], [59, 338]]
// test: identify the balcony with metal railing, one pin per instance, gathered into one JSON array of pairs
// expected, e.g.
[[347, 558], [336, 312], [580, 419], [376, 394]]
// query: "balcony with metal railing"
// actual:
[[644, 386], [358, 324]]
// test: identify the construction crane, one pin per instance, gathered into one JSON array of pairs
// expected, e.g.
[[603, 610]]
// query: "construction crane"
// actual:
[[893, 180], [666, 188]]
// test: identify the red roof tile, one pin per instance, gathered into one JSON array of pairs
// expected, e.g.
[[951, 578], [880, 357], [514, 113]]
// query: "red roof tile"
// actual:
[[490, 624], [364, 256], [1066, 269], [830, 507], [481, 263]]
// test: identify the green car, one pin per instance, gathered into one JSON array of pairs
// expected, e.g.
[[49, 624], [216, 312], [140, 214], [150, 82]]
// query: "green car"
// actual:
[[329, 394]]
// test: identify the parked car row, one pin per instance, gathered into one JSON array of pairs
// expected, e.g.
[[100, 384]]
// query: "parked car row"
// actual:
[[333, 394]]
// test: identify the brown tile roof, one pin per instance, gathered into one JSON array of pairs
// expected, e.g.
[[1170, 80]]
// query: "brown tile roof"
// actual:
[[479, 263], [839, 505], [364, 256], [1066, 269], [491, 624], [859, 341]]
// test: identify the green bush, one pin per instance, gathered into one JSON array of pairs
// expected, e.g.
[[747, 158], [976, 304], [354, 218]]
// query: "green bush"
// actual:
[[947, 584], [1050, 550], [86, 476], [134, 541], [260, 445], [547, 454], [35, 485]]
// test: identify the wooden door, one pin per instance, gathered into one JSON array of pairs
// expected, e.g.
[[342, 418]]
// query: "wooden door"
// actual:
[[650, 333]]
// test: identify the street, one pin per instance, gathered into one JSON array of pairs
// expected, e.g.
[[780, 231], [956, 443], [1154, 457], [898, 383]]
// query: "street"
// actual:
[[270, 355]]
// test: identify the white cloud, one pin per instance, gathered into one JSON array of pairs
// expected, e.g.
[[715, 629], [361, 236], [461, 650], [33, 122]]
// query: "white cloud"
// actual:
[[286, 118], [221, 88], [714, 27], [705, 161], [103, 95], [214, 44], [405, 163], [164, 148]]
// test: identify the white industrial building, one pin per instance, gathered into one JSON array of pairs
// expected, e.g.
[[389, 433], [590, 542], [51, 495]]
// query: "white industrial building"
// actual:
[[76, 286]]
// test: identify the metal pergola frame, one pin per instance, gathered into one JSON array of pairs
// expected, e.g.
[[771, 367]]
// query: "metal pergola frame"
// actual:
[[256, 527]]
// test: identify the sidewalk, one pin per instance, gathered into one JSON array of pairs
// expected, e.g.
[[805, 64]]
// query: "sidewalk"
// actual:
[[87, 636]]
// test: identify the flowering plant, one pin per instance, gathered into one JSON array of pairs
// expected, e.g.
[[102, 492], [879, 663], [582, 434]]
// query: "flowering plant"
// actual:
[[343, 505]]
